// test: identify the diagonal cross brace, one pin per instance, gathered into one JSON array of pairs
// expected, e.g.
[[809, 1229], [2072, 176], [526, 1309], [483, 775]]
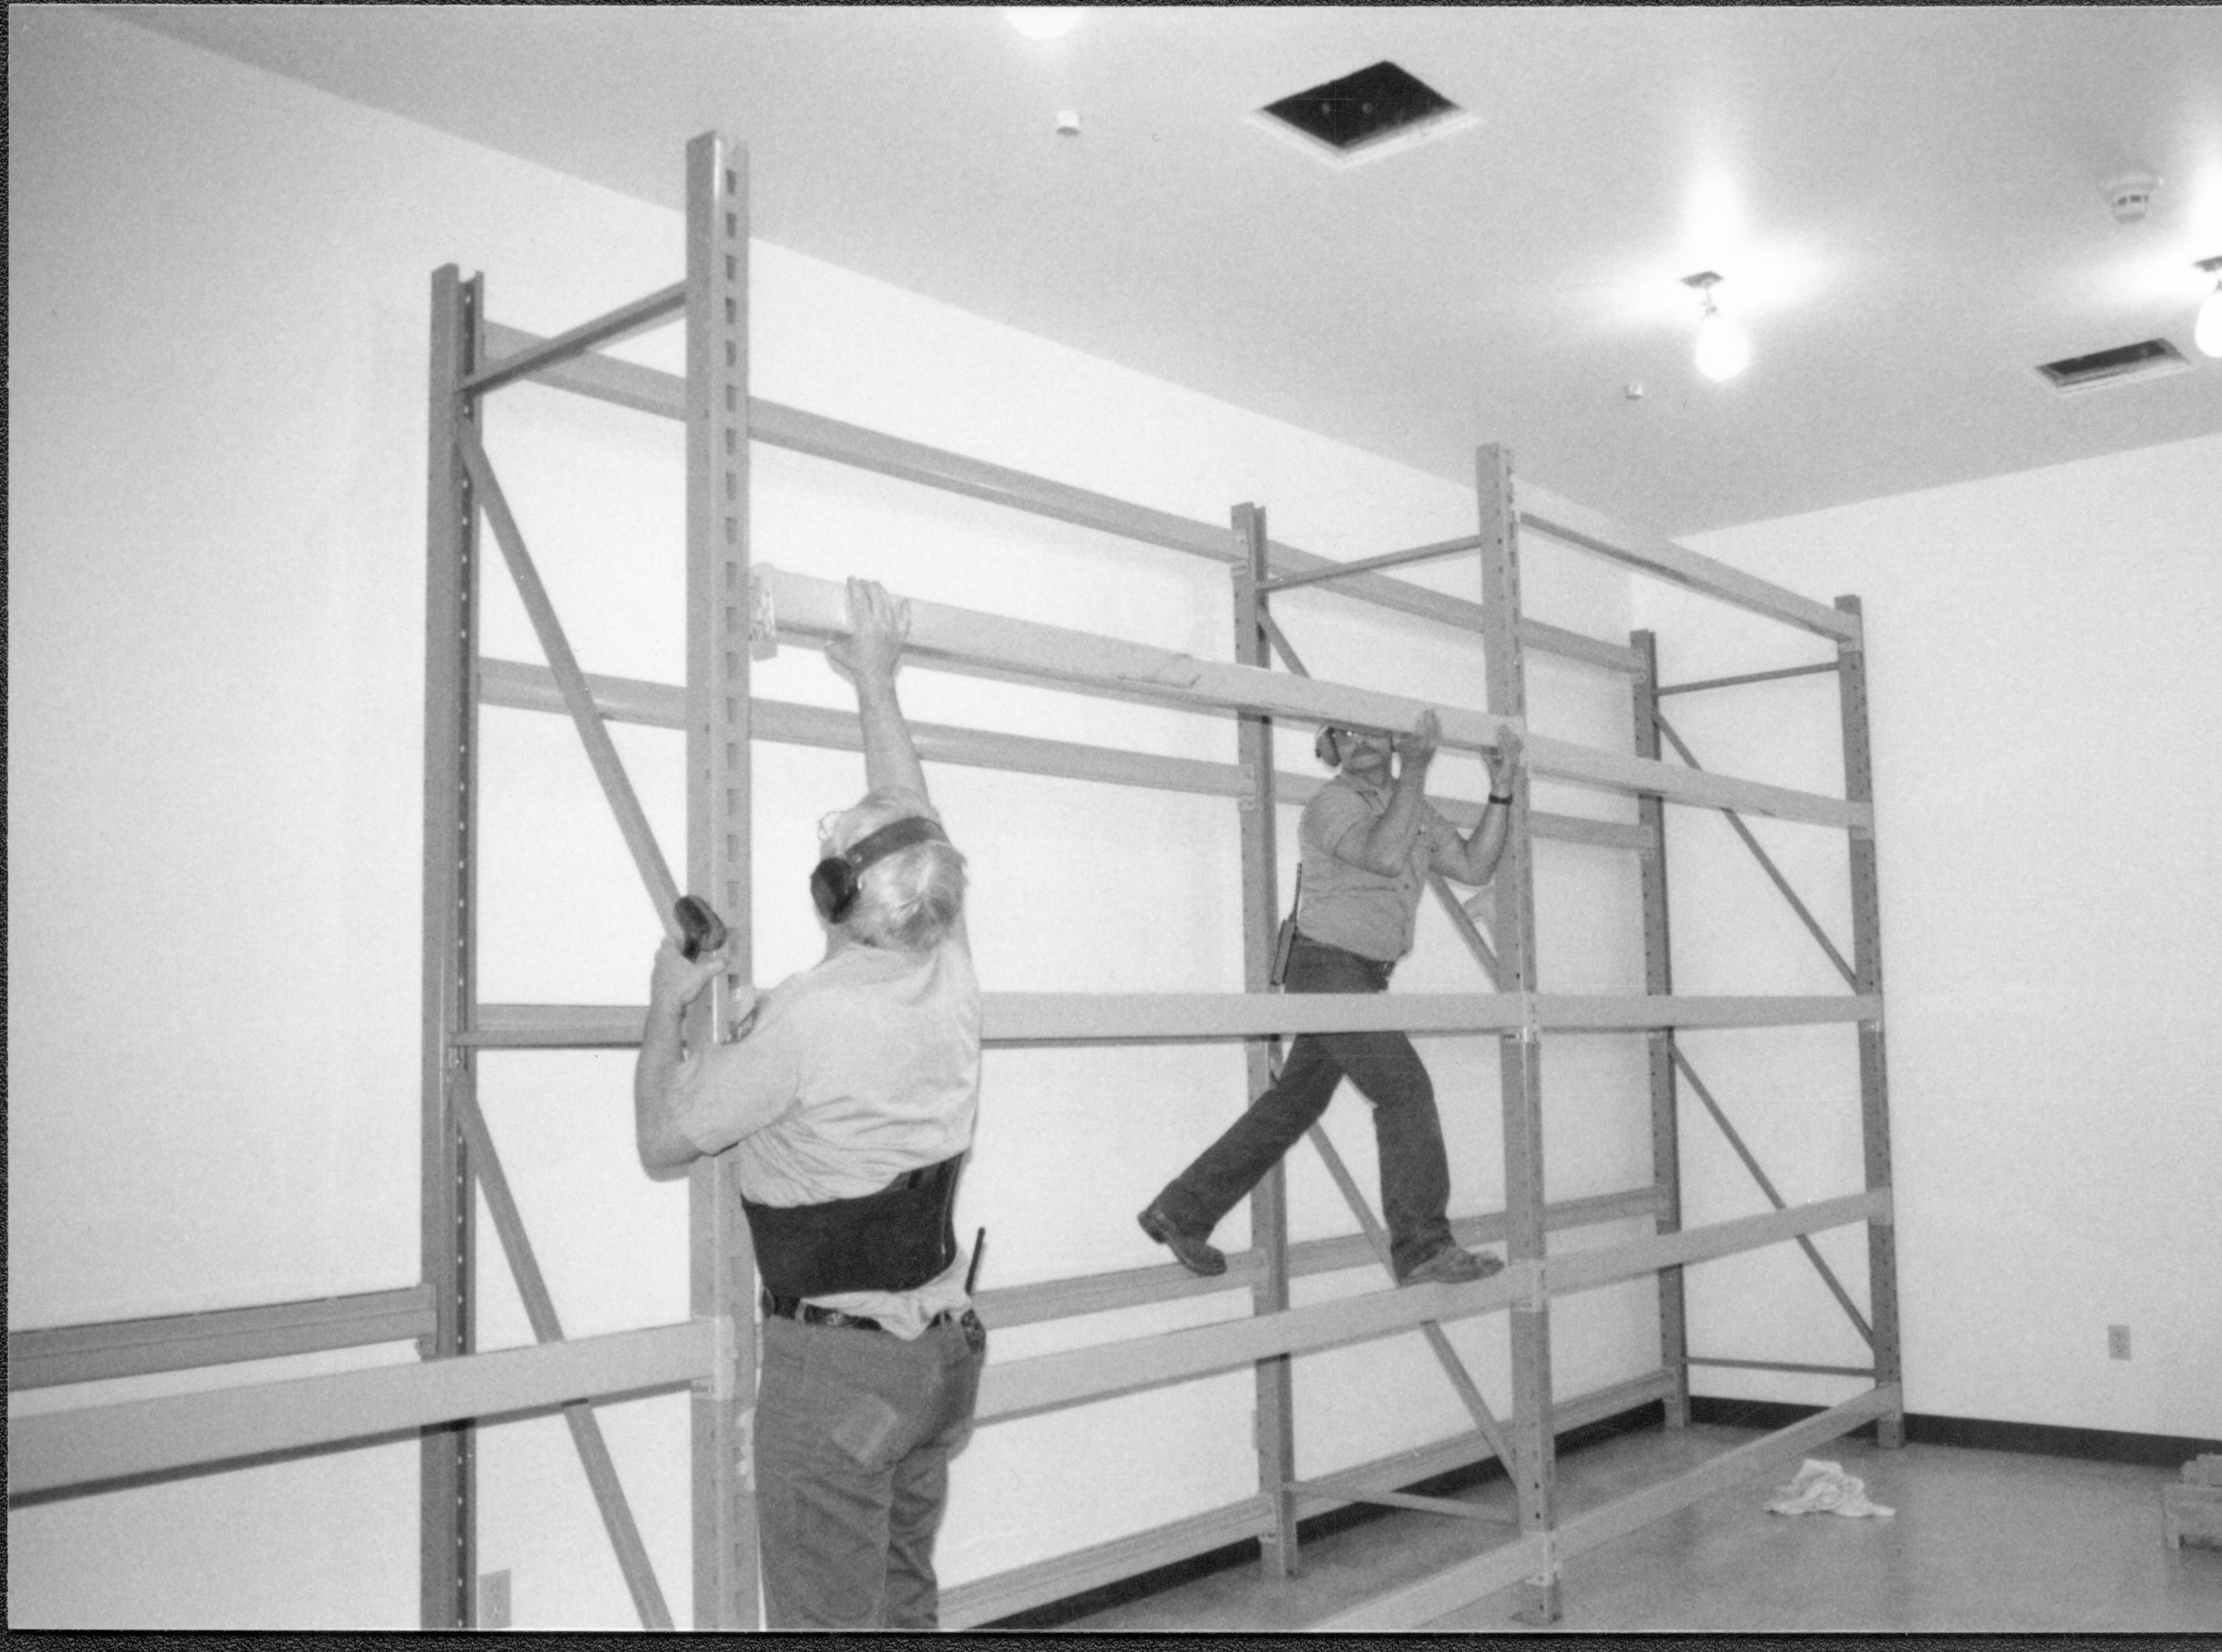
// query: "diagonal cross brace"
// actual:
[[1469, 1395], [578, 698], [1835, 1285], [1469, 930], [586, 1430], [1812, 923]]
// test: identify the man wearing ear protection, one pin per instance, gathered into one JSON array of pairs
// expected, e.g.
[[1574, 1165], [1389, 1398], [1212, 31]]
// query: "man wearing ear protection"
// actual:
[[848, 1103], [1369, 841]]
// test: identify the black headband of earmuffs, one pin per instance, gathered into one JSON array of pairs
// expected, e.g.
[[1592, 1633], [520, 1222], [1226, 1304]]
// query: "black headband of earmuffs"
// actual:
[[834, 883]]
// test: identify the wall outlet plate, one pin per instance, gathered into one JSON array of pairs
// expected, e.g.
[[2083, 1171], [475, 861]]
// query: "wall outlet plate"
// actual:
[[2118, 1342]]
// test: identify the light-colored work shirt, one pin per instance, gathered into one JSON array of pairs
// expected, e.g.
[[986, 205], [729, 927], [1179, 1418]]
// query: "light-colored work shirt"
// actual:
[[863, 1067], [1343, 904]]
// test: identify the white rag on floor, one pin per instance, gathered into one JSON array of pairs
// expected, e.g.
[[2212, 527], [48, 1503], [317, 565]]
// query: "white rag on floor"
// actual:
[[1824, 1488]]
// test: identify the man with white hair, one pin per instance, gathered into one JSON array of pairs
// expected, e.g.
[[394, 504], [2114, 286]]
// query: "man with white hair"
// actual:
[[848, 1101], [1368, 844]]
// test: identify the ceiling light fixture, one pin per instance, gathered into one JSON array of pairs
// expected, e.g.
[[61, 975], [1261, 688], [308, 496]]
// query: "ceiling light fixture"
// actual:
[[1043, 22], [2207, 335], [1722, 350]]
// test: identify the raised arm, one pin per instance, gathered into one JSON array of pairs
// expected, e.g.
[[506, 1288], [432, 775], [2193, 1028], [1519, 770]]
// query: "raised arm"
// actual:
[[868, 656], [1473, 859]]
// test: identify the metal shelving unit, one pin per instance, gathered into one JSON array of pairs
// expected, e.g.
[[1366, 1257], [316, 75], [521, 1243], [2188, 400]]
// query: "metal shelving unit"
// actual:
[[734, 608]]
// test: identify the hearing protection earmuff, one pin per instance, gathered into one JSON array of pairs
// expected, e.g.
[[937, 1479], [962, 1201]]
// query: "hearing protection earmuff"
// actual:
[[1328, 748], [834, 884]]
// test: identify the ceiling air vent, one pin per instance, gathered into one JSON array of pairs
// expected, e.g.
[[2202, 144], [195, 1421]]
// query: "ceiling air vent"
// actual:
[[2153, 358], [1361, 117]]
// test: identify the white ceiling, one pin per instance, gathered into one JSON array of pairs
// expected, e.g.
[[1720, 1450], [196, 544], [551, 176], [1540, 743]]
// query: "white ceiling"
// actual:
[[1907, 205]]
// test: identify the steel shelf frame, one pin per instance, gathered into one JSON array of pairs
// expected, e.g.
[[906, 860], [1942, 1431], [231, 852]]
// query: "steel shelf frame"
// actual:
[[734, 608]]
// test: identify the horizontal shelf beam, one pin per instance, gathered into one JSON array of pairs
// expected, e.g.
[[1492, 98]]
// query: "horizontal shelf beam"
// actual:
[[516, 686], [1556, 1012], [95, 1443], [639, 317], [1610, 771], [1102, 1293], [1650, 553], [1103, 1018], [1196, 1017], [1865, 1373], [1051, 1381], [815, 611], [554, 1027], [1457, 612], [1078, 1017], [649, 391], [92, 1444], [134, 1347], [1567, 1275]]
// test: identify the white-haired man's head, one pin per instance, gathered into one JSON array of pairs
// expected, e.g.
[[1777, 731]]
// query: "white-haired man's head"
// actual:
[[907, 900]]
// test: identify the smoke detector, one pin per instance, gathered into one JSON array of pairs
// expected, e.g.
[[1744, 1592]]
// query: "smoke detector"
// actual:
[[2130, 195]]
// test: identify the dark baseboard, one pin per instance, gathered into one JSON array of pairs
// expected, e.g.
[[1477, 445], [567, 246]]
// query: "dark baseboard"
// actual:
[[1975, 1433]]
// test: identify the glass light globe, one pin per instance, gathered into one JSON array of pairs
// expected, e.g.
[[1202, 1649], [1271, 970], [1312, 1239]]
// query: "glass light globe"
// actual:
[[1722, 350], [1043, 22], [2207, 334]]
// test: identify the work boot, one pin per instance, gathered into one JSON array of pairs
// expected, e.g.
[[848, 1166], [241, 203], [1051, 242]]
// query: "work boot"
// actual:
[[1196, 1255], [1451, 1265]]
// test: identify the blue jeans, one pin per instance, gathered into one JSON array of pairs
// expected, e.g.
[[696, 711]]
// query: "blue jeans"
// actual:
[[1415, 1176], [854, 1432]]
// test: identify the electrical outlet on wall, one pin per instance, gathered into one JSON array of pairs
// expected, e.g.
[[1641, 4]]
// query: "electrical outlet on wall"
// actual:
[[2118, 1342], [493, 1599]]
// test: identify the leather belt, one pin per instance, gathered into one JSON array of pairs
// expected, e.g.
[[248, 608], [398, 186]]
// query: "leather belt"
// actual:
[[809, 1313]]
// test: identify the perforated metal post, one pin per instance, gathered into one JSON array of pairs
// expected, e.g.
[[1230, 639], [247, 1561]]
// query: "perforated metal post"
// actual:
[[1658, 980], [1874, 1080], [447, 1567], [1520, 1058], [722, 1268], [1261, 919]]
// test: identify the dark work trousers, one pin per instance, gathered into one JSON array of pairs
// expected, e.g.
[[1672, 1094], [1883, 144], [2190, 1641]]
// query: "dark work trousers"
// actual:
[[1416, 1177], [854, 1432]]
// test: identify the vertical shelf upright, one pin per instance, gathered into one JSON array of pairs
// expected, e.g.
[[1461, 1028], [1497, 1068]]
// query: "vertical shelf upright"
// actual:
[[446, 1564], [1269, 1212], [1875, 1081], [1520, 1056], [1659, 981], [722, 1262]]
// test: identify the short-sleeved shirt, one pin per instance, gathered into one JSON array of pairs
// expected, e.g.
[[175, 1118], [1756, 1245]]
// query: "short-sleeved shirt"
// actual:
[[1343, 904], [863, 1067]]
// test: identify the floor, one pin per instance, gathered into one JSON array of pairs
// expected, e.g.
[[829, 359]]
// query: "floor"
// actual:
[[1980, 1541]]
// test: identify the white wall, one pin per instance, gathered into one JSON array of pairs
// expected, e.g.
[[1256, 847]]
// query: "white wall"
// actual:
[[219, 284], [2044, 670]]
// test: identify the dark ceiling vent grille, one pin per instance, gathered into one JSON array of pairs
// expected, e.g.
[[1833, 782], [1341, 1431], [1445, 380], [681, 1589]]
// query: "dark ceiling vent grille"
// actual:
[[2151, 358], [1364, 113]]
